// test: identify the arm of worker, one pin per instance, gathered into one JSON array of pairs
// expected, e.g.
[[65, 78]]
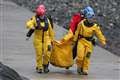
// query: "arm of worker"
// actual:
[[100, 35], [77, 32], [30, 24], [68, 36]]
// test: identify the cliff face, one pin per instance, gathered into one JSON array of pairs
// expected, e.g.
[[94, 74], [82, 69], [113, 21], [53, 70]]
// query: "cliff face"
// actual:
[[107, 14]]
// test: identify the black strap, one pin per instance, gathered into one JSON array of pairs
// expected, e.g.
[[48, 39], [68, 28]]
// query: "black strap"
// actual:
[[38, 20], [88, 24], [51, 20]]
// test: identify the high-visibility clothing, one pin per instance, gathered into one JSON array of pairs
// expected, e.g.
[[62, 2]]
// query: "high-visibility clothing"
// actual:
[[85, 46], [42, 40]]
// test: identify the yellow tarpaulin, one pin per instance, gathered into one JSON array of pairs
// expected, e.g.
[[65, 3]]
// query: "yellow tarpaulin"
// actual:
[[61, 55]]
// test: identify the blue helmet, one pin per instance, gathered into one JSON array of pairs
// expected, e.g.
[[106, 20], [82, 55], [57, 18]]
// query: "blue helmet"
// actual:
[[88, 12]]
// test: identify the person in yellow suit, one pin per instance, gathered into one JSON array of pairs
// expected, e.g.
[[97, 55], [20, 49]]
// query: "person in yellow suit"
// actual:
[[76, 18], [43, 36], [84, 33]]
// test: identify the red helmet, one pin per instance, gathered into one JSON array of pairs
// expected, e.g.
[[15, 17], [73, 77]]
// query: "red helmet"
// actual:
[[40, 10]]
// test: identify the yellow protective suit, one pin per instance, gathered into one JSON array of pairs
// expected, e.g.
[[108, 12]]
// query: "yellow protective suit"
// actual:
[[61, 55], [68, 36], [85, 47], [42, 42]]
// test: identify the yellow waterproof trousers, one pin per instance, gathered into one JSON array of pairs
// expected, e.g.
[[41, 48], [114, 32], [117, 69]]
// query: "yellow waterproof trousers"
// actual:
[[84, 50], [42, 54]]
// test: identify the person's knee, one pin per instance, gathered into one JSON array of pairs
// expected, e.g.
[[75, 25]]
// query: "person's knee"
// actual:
[[80, 58]]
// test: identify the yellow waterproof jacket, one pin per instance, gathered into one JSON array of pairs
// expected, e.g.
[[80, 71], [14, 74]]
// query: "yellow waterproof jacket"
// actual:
[[68, 36], [38, 34], [89, 32]]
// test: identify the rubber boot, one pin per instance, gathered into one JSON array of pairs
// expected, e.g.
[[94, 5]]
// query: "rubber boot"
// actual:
[[85, 72], [46, 70], [38, 70], [80, 71], [67, 67]]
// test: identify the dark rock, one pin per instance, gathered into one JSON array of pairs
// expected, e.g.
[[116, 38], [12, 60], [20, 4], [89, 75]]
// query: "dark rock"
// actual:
[[7, 73]]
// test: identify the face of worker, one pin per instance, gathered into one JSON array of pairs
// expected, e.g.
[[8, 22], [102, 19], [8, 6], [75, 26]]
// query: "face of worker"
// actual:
[[92, 20]]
